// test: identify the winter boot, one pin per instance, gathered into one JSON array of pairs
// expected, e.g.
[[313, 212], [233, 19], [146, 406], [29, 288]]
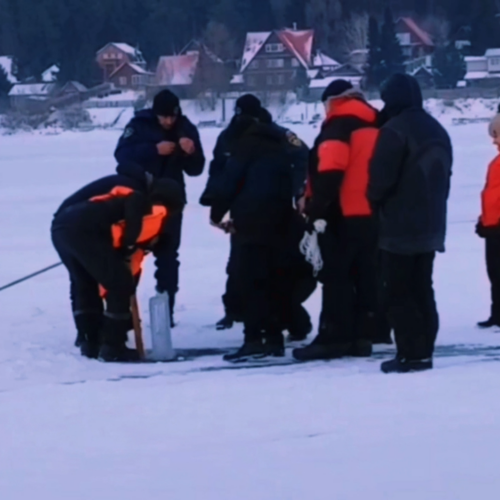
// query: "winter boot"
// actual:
[[274, 345], [300, 326], [401, 365], [361, 348], [323, 347], [249, 350], [114, 339], [490, 323], [89, 326], [226, 323]]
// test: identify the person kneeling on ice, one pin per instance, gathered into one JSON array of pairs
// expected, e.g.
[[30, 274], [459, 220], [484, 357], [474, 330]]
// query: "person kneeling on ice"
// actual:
[[488, 227], [101, 241]]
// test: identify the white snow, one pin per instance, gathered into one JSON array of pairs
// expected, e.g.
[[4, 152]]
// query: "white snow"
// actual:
[[50, 74], [32, 89], [77, 429], [7, 63]]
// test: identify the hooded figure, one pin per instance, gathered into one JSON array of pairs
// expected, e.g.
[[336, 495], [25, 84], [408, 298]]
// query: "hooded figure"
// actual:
[[409, 185]]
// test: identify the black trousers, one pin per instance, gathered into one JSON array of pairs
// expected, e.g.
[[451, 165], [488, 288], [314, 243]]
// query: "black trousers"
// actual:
[[265, 284], [91, 260], [350, 299], [167, 258], [493, 268], [410, 301], [233, 298]]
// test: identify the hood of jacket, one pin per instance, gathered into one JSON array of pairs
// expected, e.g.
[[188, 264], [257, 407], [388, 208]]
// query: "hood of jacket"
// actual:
[[399, 93]]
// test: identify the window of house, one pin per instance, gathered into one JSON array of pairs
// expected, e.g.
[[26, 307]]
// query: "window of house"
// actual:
[[122, 81], [407, 51], [275, 63], [404, 38], [495, 61], [254, 64], [136, 80], [275, 47], [295, 63]]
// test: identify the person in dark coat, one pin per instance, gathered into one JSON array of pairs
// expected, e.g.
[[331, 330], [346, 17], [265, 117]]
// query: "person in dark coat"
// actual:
[[98, 233], [298, 321], [410, 176], [258, 187], [163, 143]]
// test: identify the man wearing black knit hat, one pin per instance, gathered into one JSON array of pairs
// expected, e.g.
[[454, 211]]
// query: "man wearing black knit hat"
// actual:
[[164, 143], [338, 180]]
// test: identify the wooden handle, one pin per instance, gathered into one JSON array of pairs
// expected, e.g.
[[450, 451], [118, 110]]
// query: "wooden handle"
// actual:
[[136, 319]]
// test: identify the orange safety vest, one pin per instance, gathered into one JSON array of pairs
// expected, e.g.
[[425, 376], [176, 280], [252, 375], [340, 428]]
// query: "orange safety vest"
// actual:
[[151, 227], [490, 197]]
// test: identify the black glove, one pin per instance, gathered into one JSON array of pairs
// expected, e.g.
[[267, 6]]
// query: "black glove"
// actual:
[[126, 252], [487, 231]]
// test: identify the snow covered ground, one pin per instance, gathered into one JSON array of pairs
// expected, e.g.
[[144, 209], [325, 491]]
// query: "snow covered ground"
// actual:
[[77, 429]]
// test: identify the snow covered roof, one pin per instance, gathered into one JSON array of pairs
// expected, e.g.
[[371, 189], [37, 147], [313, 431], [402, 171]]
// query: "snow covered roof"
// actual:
[[417, 31], [237, 79], [480, 75], [299, 43], [197, 46], [322, 83], [177, 70], [253, 44], [312, 73], [32, 89], [77, 85], [475, 58], [136, 54], [135, 67], [50, 74], [492, 53], [7, 63], [321, 59]]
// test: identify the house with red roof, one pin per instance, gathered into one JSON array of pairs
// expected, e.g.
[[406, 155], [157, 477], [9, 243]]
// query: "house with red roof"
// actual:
[[276, 60], [415, 42], [114, 55]]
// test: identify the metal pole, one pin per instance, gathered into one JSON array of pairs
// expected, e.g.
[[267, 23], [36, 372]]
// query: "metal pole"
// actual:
[[26, 278]]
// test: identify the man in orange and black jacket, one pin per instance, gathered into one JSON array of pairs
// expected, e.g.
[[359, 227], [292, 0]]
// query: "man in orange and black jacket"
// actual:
[[82, 234], [338, 181]]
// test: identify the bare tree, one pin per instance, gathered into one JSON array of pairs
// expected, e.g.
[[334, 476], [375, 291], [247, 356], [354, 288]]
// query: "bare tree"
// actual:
[[353, 33]]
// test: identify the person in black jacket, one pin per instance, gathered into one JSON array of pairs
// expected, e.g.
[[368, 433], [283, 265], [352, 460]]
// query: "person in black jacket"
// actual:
[[83, 237], [258, 186], [409, 185], [165, 144]]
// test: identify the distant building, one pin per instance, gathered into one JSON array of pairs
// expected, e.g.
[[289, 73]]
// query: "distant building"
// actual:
[[31, 97], [483, 71], [195, 70], [277, 60], [73, 88], [114, 55], [131, 76], [415, 42]]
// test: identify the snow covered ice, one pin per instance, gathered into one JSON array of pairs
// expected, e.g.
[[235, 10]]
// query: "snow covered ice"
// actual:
[[76, 429]]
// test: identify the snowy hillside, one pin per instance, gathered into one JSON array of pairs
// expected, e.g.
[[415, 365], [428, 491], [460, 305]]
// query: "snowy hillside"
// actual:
[[77, 429]]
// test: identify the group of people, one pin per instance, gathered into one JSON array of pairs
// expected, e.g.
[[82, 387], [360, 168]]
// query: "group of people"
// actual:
[[373, 189]]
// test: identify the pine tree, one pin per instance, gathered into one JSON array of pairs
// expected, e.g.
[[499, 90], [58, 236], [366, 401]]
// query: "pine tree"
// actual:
[[448, 66], [374, 70], [392, 60]]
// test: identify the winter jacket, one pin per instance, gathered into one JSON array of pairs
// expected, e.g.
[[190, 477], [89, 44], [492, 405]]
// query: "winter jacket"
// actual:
[[410, 173], [138, 144], [340, 161], [225, 147], [490, 197], [259, 183]]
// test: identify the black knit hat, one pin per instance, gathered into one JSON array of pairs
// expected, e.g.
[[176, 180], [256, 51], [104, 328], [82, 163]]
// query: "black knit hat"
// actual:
[[336, 89], [166, 103], [248, 105], [168, 193]]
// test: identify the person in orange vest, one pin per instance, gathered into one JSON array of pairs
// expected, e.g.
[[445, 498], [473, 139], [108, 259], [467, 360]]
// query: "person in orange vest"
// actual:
[[101, 241], [337, 189], [488, 227]]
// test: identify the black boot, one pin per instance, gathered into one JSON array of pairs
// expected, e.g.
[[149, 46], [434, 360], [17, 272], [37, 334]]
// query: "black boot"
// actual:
[[114, 339], [401, 365], [300, 325], [274, 345], [323, 347], [490, 323], [249, 350], [89, 326], [226, 323], [361, 349]]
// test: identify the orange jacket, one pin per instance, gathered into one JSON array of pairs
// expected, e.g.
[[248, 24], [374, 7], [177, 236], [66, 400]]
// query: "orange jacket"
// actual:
[[152, 225], [341, 157], [490, 197]]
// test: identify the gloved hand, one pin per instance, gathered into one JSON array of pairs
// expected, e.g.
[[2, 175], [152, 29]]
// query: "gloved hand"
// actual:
[[487, 231], [126, 252]]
